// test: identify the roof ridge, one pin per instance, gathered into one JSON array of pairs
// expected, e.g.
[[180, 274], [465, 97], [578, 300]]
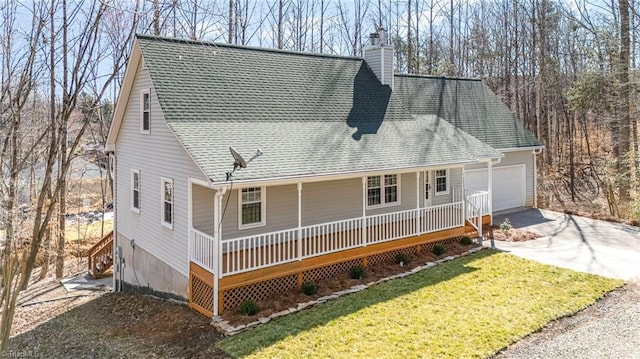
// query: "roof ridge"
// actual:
[[444, 77], [245, 47]]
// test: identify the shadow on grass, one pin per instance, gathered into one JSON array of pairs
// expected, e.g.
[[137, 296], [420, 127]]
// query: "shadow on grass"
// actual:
[[266, 335]]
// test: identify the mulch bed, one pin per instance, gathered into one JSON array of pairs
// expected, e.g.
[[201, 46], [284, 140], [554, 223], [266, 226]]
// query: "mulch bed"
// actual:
[[291, 298], [513, 235]]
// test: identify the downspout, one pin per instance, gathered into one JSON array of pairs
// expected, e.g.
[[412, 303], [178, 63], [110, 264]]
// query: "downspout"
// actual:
[[118, 268], [535, 177]]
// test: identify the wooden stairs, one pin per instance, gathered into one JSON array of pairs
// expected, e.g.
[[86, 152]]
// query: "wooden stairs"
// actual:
[[101, 256]]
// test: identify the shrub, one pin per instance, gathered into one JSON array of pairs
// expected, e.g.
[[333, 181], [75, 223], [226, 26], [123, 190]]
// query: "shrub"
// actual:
[[402, 258], [506, 226], [465, 241], [356, 272], [438, 249], [248, 307], [309, 288]]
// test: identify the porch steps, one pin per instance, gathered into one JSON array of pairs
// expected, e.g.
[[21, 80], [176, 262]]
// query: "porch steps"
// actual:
[[100, 256]]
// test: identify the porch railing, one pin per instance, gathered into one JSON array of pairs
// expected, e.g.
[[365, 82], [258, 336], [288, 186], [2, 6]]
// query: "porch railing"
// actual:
[[249, 253], [479, 199]]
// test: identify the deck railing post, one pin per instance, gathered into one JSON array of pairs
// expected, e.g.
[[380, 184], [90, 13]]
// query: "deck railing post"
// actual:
[[364, 211], [299, 232]]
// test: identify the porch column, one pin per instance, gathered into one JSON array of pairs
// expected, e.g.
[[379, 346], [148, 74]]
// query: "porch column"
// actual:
[[364, 211], [217, 246], [417, 225], [189, 217], [464, 201], [299, 221], [217, 235]]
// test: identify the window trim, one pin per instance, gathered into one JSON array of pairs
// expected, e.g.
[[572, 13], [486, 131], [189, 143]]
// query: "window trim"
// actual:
[[383, 203], [263, 209], [133, 189], [142, 111], [163, 181], [435, 182]]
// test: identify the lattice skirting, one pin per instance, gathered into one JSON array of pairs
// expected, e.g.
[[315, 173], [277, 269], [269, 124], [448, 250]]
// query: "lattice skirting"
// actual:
[[200, 289], [232, 298]]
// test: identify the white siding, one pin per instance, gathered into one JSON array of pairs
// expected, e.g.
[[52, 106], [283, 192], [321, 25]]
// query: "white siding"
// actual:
[[156, 155], [388, 65], [331, 201], [203, 208], [281, 212]]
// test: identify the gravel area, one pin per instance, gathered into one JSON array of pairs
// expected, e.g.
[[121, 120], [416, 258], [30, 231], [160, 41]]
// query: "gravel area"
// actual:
[[608, 329]]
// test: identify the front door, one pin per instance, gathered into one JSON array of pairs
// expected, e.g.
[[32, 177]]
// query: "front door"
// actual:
[[428, 189]]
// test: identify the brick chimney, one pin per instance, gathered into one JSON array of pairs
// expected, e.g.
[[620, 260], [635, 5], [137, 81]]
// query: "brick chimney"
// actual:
[[379, 56]]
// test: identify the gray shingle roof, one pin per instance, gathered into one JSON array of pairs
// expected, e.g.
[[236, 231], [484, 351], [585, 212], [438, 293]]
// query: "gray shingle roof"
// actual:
[[469, 104], [310, 114]]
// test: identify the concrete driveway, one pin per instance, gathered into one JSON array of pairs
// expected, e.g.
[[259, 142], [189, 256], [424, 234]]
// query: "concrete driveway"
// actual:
[[578, 243]]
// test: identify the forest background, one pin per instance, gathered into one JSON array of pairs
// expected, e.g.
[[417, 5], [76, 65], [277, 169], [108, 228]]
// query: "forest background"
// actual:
[[568, 69]]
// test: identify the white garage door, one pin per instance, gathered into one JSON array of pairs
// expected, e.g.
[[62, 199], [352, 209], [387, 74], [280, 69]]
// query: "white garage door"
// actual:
[[508, 185]]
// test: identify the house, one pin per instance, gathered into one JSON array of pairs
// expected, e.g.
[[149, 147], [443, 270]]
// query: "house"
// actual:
[[348, 163]]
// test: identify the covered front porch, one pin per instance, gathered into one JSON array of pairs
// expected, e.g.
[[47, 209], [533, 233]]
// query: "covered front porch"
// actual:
[[286, 257]]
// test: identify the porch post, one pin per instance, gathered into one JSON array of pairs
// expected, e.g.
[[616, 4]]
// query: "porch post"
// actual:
[[364, 211], [464, 201], [417, 224], [216, 241], [299, 221], [189, 217]]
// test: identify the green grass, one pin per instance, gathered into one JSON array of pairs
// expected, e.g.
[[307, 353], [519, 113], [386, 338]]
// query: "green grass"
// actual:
[[87, 231], [469, 307]]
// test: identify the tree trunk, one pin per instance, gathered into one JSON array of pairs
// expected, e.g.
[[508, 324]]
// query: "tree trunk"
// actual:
[[63, 148], [621, 127]]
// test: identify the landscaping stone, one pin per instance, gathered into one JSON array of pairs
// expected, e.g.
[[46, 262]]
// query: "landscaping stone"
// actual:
[[264, 320], [359, 287], [252, 324], [279, 314]]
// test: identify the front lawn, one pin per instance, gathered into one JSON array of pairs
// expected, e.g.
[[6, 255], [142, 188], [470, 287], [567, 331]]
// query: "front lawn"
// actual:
[[469, 307]]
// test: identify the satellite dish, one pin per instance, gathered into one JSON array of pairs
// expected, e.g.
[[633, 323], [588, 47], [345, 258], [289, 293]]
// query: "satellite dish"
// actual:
[[238, 161]]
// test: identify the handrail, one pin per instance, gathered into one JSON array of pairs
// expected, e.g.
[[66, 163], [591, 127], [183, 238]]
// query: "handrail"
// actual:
[[105, 240], [100, 251]]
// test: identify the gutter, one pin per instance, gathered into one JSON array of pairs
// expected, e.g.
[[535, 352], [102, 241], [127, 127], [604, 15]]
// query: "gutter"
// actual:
[[293, 179], [516, 149]]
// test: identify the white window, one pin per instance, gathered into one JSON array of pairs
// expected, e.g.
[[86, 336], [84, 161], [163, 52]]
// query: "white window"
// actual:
[[145, 111], [135, 190], [442, 181], [252, 204], [167, 202], [383, 191]]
